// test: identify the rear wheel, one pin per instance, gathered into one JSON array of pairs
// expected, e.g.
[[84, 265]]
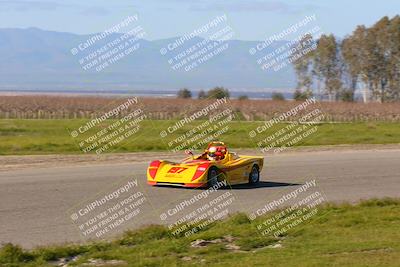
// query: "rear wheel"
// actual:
[[254, 176], [212, 178]]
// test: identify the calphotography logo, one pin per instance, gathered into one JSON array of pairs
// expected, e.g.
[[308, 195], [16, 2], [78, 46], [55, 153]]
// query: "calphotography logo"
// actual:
[[289, 128], [102, 50], [114, 127], [200, 46], [196, 213], [274, 53], [290, 210], [110, 211], [209, 120]]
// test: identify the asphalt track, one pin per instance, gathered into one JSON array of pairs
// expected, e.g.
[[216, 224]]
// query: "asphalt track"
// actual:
[[36, 203]]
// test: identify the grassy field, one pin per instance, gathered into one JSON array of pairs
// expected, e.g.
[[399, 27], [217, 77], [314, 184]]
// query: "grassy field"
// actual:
[[365, 234], [19, 137]]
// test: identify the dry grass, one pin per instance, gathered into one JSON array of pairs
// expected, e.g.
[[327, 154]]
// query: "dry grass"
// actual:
[[66, 107]]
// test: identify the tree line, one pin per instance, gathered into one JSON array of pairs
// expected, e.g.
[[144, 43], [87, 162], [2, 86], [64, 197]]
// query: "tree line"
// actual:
[[216, 92], [368, 59], [222, 92]]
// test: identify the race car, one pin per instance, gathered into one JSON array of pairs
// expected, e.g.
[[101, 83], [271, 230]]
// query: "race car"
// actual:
[[208, 169]]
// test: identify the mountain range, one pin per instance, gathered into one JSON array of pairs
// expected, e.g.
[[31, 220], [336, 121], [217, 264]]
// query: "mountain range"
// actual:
[[35, 59]]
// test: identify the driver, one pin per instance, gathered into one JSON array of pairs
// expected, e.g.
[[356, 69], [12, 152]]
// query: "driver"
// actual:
[[216, 153]]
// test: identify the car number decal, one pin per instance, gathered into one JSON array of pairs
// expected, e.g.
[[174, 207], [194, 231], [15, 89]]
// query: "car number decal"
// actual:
[[177, 170]]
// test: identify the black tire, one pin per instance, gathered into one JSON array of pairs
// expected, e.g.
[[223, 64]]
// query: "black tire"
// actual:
[[212, 177], [254, 176]]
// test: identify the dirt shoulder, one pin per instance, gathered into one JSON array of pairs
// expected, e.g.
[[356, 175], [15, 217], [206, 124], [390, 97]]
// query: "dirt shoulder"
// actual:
[[44, 161]]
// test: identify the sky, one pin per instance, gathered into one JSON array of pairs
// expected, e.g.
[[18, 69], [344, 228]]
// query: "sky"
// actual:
[[250, 19]]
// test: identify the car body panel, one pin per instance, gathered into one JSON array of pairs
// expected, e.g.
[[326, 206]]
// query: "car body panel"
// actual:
[[193, 171]]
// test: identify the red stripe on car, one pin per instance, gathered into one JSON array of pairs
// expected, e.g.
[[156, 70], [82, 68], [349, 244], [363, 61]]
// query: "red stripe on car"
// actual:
[[200, 170], [154, 165]]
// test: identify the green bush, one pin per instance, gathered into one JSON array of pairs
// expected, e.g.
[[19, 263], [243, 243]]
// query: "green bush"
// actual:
[[10, 253], [184, 93], [347, 96], [218, 93], [277, 96]]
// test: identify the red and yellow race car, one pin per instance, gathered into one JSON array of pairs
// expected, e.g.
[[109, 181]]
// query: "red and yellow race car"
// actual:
[[216, 164]]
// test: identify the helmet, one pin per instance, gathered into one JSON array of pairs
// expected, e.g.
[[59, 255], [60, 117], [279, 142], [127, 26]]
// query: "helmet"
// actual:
[[216, 153], [211, 153]]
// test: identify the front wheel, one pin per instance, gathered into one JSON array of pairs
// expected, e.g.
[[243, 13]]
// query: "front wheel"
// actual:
[[212, 178], [254, 176]]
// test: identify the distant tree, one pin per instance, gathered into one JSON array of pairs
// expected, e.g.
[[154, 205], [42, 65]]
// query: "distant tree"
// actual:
[[362, 61], [369, 58], [329, 68], [202, 94], [394, 58], [301, 58], [243, 97], [377, 52], [184, 93], [301, 96], [278, 96], [381, 55], [350, 55], [218, 93]]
